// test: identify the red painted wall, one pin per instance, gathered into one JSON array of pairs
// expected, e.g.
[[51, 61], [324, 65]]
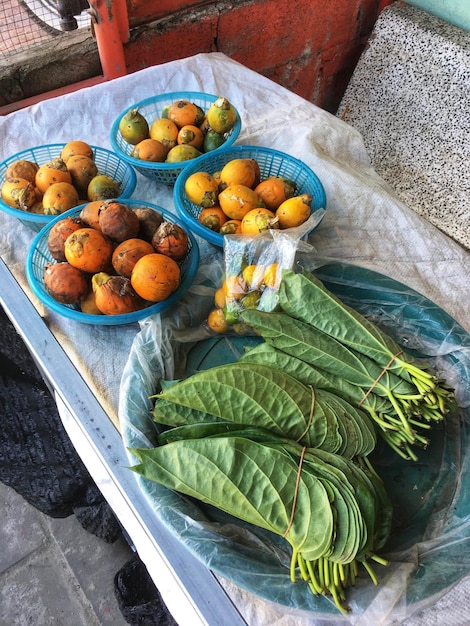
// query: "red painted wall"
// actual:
[[309, 46]]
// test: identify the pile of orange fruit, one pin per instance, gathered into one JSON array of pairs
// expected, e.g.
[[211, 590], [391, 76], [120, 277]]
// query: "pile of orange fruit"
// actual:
[[235, 199], [58, 185], [111, 259], [182, 132]]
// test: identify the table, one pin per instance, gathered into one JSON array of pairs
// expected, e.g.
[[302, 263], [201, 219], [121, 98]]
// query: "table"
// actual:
[[365, 224]]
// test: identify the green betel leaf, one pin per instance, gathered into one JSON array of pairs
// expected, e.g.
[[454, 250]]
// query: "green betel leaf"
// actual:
[[250, 481], [304, 297], [253, 395]]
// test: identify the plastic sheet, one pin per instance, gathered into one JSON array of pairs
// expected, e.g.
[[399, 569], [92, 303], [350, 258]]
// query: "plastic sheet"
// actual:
[[429, 549]]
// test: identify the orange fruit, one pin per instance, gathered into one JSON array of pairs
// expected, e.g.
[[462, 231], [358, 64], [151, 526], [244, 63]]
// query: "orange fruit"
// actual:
[[53, 172], [89, 250], [150, 150], [237, 200], [155, 277], [212, 218], [274, 190], [239, 172], [165, 131], [75, 147], [191, 135], [183, 113], [294, 211], [231, 227], [202, 189], [59, 197], [258, 221], [18, 193], [217, 322], [234, 287], [90, 213]]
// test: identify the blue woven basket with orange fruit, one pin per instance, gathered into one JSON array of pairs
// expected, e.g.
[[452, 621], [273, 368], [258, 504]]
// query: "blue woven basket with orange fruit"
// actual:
[[271, 163], [152, 109]]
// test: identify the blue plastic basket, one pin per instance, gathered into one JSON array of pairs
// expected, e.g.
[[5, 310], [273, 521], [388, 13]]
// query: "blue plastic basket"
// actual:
[[106, 161], [271, 163], [39, 256], [151, 109]]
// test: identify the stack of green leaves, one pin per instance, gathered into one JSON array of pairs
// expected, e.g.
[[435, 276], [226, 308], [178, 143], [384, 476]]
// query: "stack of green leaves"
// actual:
[[350, 355], [333, 513]]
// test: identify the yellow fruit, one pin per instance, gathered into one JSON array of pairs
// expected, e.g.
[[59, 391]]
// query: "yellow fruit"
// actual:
[[18, 193], [165, 131], [202, 189], [239, 172], [294, 211], [237, 200], [271, 275], [258, 221], [221, 115], [60, 197], [217, 322]]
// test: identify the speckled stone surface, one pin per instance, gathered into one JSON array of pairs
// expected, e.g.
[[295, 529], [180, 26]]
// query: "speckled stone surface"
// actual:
[[409, 97]]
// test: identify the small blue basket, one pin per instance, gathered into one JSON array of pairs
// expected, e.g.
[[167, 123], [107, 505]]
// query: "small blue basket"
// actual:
[[39, 256], [271, 163], [106, 161], [151, 109]]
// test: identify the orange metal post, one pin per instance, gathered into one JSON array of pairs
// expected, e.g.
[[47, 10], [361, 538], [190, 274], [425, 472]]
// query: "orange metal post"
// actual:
[[111, 27]]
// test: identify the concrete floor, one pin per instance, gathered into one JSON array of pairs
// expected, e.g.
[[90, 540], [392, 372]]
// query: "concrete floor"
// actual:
[[53, 572]]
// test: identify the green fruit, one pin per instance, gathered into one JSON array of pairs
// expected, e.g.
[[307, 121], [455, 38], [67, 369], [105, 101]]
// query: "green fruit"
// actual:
[[212, 140], [133, 127]]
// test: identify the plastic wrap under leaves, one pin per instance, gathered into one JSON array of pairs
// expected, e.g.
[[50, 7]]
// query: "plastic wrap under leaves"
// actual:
[[429, 549]]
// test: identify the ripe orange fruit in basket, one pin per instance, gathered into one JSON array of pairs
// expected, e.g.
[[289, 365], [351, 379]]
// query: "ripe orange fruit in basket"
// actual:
[[19, 193], [90, 213], [294, 211], [150, 150], [65, 283], [240, 172], [258, 221], [183, 113], [213, 218], [127, 253], [55, 171], [75, 147], [172, 240], [191, 135], [202, 189], [237, 200], [155, 277], [59, 197], [274, 190], [165, 131], [89, 250]]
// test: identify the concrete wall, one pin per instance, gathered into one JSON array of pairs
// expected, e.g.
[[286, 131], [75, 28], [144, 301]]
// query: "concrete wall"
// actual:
[[310, 46]]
